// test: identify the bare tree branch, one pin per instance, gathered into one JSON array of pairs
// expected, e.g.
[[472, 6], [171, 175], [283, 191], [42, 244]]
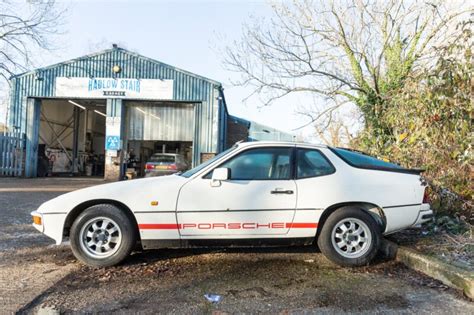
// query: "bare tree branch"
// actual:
[[25, 27], [355, 51]]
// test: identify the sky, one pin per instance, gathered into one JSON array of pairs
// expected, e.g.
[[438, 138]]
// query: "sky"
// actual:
[[187, 34]]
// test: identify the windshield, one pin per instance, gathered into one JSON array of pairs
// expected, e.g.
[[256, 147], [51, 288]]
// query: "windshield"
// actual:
[[201, 166]]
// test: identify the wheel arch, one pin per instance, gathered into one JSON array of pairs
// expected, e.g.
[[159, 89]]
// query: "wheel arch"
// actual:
[[375, 211], [77, 210]]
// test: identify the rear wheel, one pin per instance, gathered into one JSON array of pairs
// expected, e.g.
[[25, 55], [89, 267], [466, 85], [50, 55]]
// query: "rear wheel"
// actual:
[[103, 235], [350, 237]]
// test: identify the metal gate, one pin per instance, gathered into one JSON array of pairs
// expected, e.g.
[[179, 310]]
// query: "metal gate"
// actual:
[[12, 146]]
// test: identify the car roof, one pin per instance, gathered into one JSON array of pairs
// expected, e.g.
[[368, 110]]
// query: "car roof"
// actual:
[[270, 143]]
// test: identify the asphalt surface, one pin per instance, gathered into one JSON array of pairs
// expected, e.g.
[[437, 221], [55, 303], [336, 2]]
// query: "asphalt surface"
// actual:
[[35, 274], [19, 197]]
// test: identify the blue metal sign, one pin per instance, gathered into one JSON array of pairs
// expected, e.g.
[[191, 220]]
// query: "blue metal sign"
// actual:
[[112, 143]]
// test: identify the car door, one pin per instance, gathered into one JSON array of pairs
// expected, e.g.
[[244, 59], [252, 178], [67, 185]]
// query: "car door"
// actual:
[[258, 199]]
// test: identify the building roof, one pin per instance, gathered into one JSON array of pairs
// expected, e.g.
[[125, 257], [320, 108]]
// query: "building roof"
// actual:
[[111, 50]]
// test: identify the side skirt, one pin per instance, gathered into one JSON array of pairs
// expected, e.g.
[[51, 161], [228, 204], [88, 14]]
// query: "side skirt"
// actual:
[[203, 243]]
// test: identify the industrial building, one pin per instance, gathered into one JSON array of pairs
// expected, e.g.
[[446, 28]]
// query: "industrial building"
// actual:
[[87, 116]]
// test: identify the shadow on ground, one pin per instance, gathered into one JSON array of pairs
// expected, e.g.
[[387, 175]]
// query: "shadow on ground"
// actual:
[[250, 280]]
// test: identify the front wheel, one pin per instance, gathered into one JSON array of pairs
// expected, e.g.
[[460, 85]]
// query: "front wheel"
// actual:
[[102, 236], [350, 237]]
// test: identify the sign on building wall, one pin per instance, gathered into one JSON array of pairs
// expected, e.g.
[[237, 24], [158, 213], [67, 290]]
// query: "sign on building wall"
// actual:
[[114, 88], [112, 138], [112, 143]]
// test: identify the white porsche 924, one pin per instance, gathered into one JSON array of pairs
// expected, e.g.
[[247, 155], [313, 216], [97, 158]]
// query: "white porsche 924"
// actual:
[[256, 193]]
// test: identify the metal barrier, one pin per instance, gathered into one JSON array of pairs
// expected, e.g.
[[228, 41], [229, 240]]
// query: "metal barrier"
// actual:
[[12, 146]]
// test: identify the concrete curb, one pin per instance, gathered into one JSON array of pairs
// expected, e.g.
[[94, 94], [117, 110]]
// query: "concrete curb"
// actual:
[[450, 275]]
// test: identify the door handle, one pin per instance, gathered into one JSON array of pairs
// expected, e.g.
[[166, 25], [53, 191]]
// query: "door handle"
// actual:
[[277, 191]]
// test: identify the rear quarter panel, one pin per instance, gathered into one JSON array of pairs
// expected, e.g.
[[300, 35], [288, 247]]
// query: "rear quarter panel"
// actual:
[[390, 191]]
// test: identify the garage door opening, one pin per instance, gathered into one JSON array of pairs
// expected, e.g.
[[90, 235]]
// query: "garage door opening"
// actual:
[[71, 137], [157, 133]]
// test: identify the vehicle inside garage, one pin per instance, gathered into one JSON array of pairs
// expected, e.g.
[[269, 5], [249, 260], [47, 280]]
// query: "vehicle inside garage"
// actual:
[[158, 127]]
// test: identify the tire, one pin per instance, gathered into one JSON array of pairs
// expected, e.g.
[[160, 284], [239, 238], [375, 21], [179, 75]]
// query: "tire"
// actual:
[[102, 246], [355, 246]]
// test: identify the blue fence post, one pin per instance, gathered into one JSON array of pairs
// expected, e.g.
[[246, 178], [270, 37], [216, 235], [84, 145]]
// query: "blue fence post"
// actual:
[[33, 111]]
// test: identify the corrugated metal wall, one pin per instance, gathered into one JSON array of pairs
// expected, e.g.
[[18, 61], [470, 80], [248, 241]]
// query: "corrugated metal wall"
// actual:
[[160, 121], [259, 132], [190, 88]]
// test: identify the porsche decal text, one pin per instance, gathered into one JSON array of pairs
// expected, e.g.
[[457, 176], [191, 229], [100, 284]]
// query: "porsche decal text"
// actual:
[[228, 226]]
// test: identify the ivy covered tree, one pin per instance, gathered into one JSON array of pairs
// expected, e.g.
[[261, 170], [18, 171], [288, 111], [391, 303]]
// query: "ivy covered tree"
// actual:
[[431, 118], [346, 51], [406, 66]]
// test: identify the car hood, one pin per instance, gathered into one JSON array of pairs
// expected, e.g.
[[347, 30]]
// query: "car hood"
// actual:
[[135, 194]]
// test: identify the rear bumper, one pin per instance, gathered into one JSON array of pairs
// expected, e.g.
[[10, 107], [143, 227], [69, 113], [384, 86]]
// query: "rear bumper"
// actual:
[[424, 215], [402, 217]]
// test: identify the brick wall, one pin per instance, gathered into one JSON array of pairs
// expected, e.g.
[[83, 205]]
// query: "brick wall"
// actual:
[[236, 132]]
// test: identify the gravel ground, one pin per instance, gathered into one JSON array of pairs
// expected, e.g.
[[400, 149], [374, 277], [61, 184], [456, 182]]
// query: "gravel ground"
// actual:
[[34, 274], [284, 280], [29, 264], [18, 197]]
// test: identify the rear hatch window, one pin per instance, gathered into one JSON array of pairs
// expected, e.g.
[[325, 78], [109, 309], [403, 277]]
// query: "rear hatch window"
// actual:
[[362, 160], [162, 159]]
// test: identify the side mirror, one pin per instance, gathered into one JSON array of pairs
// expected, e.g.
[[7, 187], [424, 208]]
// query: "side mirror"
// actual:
[[221, 174], [218, 175]]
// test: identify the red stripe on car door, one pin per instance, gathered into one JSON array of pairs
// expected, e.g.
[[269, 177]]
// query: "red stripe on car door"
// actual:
[[162, 226], [298, 225]]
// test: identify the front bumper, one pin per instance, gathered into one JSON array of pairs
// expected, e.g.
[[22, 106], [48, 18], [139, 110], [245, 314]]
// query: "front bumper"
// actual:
[[424, 215], [39, 227], [50, 224]]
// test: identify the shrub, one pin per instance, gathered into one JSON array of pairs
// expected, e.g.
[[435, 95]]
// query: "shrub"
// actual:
[[429, 125]]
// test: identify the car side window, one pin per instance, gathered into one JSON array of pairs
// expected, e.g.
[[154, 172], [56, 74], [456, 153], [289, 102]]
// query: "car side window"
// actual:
[[312, 163], [260, 164]]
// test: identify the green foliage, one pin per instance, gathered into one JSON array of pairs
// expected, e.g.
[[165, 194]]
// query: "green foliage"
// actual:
[[399, 59], [450, 224], [427, 122]]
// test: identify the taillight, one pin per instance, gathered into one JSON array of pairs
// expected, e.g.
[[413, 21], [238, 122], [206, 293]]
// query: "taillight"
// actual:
[[426, 196], [149, 166], [172, 167]]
